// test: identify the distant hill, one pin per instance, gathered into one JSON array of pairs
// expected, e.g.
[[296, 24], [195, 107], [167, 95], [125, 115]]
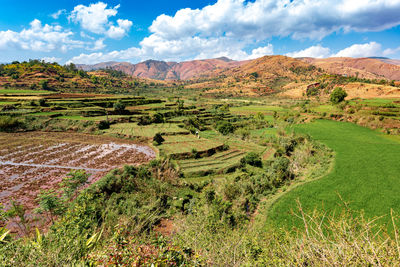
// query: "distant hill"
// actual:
[[162, 70], [262, 76], [370, 68], [39, 75]]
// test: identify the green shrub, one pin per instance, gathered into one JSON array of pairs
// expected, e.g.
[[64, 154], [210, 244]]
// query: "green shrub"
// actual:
[[225, 127], [158, 139], [338, 95], [195, 153], [119, 107], [103, 125], [252, 159], [42, 102], [9, 124], [231, 191], [44, 84]]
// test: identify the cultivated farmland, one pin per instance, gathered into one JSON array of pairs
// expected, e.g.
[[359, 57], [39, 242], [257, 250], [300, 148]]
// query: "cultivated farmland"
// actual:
[[31, 162]]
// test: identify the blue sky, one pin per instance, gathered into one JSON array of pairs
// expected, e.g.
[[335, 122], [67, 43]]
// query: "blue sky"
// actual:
[[122, 30]]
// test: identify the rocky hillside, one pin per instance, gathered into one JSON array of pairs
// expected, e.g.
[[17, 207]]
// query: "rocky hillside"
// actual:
[[370, 68], [162, 70], [261, 76]]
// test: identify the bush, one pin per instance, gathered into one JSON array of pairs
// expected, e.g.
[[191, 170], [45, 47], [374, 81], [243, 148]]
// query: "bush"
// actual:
[[195, 153], [42, 102], [9, 124], [119, 106], [231, 191], [103, 125], [158, 118], [158, 139], [252, 159], [44, 84], [338, 95], [225, 127]]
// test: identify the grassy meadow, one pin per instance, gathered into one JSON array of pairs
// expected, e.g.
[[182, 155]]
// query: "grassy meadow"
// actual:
[[365, 174]]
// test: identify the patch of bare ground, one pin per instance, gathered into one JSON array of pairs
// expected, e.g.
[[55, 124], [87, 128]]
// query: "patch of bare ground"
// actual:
[[31, 162]]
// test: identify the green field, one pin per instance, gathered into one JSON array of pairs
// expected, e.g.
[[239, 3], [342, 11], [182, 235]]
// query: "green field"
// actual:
[[147, 130], [366, 174], [23, 92], [254, 109]]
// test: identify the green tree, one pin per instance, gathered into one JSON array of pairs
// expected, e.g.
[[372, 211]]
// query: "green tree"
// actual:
[[44, 84], [119, 106], [338, 95]]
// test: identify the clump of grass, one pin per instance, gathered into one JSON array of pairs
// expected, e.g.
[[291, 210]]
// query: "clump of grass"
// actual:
[[9, 124]]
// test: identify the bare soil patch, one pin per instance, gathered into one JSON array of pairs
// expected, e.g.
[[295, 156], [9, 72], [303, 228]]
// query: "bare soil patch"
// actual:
[[30, 162]]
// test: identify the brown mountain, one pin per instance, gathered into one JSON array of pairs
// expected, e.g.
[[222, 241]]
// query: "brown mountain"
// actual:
[[371, 68], [162, 70], [390, 61], [265, 75]]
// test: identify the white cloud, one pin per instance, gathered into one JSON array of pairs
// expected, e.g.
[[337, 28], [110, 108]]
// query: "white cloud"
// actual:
[[361, 50], [391, 51], [51, 59], [261, 51], [117, 32], [57, 14], [39, 37], [316, 51], [261, 19], [229, 27], [95, 18], [98, 45]]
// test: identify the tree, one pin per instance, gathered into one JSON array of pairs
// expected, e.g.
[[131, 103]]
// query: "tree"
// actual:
[[338, 95], [44, 84], [119, 106]]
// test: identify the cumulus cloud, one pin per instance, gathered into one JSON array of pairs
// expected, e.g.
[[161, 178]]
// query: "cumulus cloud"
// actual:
[[361, 50], [316, 51], [51, 59], [261, 51], [98, 45], [57, 14], [95, 18], [261, 19], [230, 27], [117, 32], [39, 37]]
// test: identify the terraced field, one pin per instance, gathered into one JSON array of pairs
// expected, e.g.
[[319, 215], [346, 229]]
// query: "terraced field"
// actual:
[[132, 129], [181, 144], [34, 161], [216, 163]]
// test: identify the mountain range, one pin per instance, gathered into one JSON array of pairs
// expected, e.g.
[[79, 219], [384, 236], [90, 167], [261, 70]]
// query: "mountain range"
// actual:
[[162, 70], [370, 68]]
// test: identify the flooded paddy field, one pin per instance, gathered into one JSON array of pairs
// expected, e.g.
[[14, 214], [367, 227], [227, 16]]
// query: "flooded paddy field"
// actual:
[[30, 162]]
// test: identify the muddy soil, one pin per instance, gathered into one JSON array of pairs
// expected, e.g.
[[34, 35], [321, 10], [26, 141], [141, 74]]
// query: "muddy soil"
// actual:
[[30, 162]]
